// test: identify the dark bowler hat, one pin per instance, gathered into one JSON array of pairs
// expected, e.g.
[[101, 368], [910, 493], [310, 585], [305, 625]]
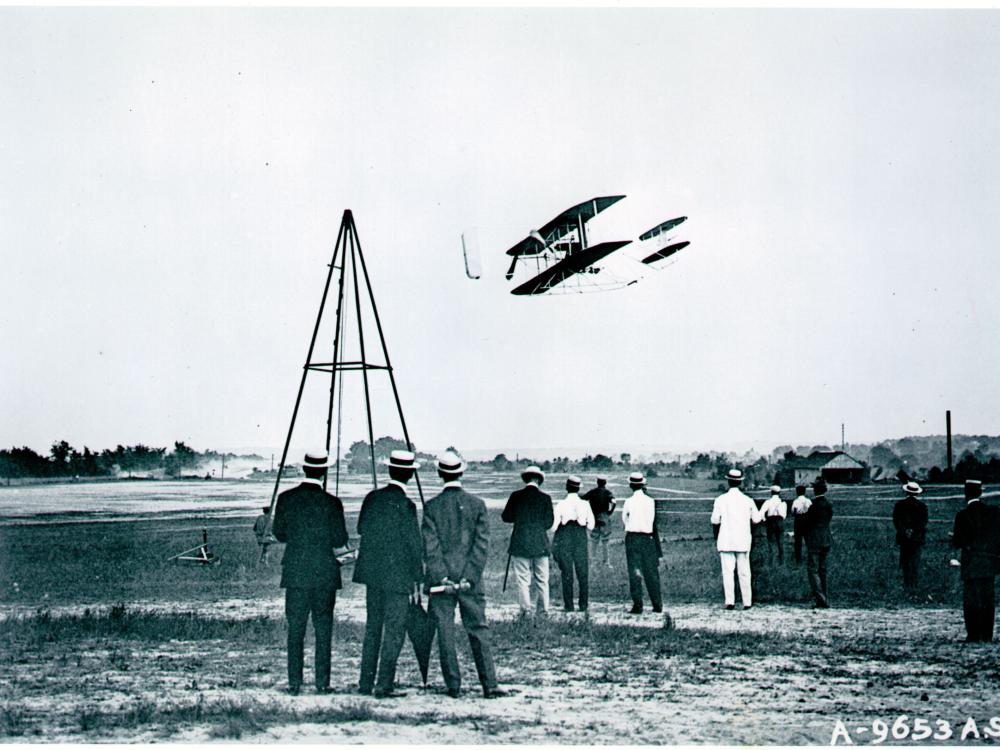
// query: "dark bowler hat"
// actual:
[[572, 483], [317, 461], [449, 463], [819, 486], [266, 509], [533, 471]]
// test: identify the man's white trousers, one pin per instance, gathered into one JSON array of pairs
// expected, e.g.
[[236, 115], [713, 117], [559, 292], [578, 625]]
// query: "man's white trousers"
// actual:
[[738, 562]]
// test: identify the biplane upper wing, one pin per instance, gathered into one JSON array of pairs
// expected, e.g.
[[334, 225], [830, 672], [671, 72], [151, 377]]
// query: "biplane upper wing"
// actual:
[[665, 252], [661, 228], [562, 225], [568, 266]]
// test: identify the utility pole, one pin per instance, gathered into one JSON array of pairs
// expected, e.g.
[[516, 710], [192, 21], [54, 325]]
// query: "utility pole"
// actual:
[[223, 474], [843, 444], [947, 422]]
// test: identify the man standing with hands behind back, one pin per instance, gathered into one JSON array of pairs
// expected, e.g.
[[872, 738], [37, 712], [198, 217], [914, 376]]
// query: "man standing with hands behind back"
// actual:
[[909, 516], [390, 564], [456, 541], [310, 522]]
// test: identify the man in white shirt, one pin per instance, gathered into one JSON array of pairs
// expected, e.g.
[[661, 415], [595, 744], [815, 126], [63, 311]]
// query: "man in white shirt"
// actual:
[[732, 514], [642, 545], [774, 511], [800, 507], [573, 519]]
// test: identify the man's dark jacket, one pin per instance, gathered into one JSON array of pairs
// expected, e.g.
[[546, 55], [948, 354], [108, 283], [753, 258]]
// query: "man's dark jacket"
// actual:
[[530, 510], [391, 552], [310, 522], [456, 537], [817, 523], [977, 527], [600, 499], [909, 516]]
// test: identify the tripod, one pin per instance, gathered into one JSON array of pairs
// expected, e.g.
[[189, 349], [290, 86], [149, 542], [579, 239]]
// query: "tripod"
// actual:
[[347, 259]]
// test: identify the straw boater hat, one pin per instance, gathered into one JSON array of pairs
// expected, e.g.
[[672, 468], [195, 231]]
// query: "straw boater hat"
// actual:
[[317, 461], [449, 463], [402, 460], [973, 483], [775, 489], [572, 483], [735, 474], [533, 471], [602, 478], [636, 477], [912, 488]]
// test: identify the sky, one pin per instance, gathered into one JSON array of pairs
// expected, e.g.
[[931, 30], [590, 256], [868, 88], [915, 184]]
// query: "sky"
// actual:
[[172, 182]]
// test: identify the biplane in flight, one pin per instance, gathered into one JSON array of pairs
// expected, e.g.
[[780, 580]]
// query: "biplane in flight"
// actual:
[[562, 259]]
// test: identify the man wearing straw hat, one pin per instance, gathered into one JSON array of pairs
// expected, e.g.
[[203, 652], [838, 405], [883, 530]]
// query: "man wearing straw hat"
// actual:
[[732, 514], [390, 564], [642, 545], [573, 519], [909, 516], [310, 521], [530, 510], [819, 539], [977, 534], [456, 541]]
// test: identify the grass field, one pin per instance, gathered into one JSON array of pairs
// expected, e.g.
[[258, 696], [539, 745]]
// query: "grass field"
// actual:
[[102, 639]]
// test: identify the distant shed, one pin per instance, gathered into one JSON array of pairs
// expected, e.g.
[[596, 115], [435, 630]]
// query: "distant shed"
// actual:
[[836, 467]]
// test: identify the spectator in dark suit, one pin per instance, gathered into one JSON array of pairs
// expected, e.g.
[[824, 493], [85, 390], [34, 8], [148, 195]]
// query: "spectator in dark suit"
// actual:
[[977, 534], [310, 522], [390, 564], [530, 510], [909, 516], [456, 541], [816, 529], [799, 508], [602, 505]]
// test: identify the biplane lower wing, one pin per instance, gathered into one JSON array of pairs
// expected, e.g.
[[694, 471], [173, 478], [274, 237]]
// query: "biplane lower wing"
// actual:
[[572, 264], [665, 252]]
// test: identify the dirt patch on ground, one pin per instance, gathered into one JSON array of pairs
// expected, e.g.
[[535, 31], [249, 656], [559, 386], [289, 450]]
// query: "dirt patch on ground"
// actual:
[[774, 674]]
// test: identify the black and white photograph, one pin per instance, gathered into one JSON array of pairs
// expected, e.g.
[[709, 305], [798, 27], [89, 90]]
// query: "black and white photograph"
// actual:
[[468, 375]]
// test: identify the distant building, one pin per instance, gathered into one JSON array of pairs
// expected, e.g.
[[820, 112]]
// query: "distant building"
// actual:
[[835, 467]]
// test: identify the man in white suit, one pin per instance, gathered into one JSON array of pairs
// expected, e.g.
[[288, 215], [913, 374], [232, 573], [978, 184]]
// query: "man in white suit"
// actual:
[[732, 515]]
